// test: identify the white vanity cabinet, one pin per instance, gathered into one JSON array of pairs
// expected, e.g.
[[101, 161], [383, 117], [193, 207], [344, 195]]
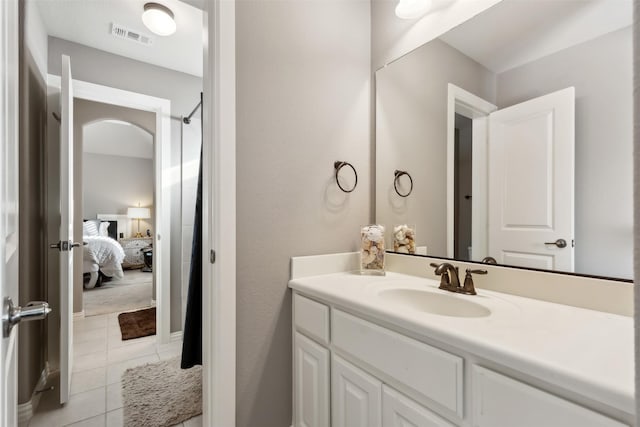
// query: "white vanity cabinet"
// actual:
[[352, 372]]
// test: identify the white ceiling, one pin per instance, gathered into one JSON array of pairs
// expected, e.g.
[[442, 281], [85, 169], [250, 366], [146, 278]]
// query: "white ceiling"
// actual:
[[88, 22], [117, 138], [515, 32]]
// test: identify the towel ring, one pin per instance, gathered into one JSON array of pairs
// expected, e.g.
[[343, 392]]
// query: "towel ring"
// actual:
[[339, 165], [396, 176]]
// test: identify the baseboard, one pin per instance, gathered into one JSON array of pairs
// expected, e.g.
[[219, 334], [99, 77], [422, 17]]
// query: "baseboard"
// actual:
[[78, 315], [175, 336], [27, 409]]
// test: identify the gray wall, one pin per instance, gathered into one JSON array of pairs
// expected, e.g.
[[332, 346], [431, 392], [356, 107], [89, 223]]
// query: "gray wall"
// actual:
[[113, 183], [411, 135], [183, 90], [601, 71], [303, 101], [33, 244]]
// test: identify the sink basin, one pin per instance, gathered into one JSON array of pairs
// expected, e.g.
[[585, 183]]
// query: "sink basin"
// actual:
[[435, 303]]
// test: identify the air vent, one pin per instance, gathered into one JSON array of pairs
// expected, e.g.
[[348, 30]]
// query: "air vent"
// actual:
[[122, 32]]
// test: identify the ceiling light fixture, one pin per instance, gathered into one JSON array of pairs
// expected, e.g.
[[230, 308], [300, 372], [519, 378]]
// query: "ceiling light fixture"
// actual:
[[159, 19], [412, 9]]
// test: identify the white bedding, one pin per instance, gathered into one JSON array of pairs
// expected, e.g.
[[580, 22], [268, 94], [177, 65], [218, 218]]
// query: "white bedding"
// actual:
[[103, 254]]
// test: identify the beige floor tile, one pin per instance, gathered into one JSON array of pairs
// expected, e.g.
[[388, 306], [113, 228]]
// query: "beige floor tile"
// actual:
[[90, 323], [114, 418], [88, 380], [99, 421], [114, 396], [194, 422], [86, 347], [80, 407], [115, 371], [84, 336], [90, 361], [130, 351]]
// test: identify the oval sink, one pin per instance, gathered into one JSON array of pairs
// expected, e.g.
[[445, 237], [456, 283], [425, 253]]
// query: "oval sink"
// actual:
[[435, 303]]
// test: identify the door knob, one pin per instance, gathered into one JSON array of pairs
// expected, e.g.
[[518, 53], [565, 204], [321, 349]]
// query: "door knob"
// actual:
[[35, 310], [561, 243]]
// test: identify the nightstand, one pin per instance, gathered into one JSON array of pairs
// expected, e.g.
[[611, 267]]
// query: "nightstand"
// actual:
[[133, 256]]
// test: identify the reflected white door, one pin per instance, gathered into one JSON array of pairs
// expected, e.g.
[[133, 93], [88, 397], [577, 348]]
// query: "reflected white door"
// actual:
[[531, 182], [66, 230], [9, 205]]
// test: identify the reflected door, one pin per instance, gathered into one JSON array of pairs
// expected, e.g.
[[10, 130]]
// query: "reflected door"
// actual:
[[531, 182]]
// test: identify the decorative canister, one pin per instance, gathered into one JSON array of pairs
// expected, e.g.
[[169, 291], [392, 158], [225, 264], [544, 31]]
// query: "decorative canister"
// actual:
[[372, 249], [404, 239]]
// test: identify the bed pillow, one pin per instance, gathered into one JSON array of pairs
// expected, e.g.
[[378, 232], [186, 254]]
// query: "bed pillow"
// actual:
[[90, 228], [104, 229]]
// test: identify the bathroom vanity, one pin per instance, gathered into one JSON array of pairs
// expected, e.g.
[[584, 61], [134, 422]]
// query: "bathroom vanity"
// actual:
[[397, 351]]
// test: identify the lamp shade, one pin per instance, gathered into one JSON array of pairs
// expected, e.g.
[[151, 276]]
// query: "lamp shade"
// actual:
[[139, 213]]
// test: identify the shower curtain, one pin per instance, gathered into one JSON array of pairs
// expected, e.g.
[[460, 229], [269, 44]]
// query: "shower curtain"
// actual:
[[192, 334]]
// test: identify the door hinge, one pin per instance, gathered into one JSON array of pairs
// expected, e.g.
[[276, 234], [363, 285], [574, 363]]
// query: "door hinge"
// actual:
[[212, 256]]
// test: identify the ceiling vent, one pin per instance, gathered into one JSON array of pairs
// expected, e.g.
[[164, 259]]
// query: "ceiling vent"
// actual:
[[123, 32]]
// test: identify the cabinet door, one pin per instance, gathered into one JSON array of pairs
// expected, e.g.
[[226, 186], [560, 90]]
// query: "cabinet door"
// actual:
[[311, 383], [400, 411], [356, 397]]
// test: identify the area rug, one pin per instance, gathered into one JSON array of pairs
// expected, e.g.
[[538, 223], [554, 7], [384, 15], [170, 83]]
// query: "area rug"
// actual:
[[133, 291], [137, 324], [161, 394]]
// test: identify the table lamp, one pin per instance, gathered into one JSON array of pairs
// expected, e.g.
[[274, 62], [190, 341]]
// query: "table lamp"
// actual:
[[138, 213]]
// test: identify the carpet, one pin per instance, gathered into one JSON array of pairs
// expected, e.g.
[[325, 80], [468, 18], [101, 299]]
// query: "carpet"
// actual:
[[161, 394], [134, 291], [137, 324]]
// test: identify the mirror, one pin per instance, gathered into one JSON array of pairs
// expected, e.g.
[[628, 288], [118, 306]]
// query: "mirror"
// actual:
[[515, 129]]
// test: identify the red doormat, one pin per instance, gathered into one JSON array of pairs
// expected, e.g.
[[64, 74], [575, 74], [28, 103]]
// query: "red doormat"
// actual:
[[137, 324]]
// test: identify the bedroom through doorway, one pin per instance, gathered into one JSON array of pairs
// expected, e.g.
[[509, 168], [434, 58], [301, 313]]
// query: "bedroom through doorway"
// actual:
[[117, 209]]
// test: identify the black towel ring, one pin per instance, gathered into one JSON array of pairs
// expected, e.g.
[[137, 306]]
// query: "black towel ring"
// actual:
[[396, 176], [339, 165]]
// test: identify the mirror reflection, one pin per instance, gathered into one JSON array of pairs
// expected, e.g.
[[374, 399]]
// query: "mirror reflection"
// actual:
[[516, 131]]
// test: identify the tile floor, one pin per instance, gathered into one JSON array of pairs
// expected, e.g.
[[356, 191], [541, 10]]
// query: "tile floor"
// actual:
[[100, 358]]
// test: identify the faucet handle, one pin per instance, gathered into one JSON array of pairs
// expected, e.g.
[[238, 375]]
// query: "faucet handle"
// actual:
[[468, 287]]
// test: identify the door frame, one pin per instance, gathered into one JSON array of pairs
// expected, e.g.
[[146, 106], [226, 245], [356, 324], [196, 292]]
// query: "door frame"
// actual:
[[162, 187], [219, 215], [460, 101]]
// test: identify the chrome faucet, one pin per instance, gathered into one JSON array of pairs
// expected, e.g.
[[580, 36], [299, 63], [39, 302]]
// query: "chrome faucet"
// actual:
[[449, 279]]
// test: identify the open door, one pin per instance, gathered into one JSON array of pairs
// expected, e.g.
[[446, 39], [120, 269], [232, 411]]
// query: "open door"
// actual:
[[531, 182], [9, 210], [65, 244]]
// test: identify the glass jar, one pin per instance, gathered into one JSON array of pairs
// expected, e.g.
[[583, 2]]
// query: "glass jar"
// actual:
[[372, 249], [404, 239]]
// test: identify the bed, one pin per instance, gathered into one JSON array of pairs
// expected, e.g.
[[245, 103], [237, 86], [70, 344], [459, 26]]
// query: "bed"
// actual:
[[102, 254]]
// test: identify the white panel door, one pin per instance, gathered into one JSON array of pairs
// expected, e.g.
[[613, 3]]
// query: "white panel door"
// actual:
[[531, 182], [400, 411], [311, 383], [356, 397], [9, 205], [66, 230], [499, 401]]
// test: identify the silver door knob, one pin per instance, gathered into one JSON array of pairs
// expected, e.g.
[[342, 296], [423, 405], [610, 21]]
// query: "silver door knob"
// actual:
[[35, 310], [561, 243]]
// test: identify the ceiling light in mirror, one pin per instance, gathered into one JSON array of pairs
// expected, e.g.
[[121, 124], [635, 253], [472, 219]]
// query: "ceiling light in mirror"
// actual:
[[159, 19], [412, 9]]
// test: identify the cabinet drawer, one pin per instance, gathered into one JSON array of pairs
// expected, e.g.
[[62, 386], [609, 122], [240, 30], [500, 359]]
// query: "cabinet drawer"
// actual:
[[501, 401], [311, 318], [400, 411], [429, 371]]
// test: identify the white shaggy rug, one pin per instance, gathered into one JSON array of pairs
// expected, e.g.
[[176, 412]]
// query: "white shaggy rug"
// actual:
[[161, 394], [132, 292]]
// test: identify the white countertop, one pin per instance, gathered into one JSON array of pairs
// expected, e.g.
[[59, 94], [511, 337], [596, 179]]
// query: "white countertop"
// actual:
[[586, 351]]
